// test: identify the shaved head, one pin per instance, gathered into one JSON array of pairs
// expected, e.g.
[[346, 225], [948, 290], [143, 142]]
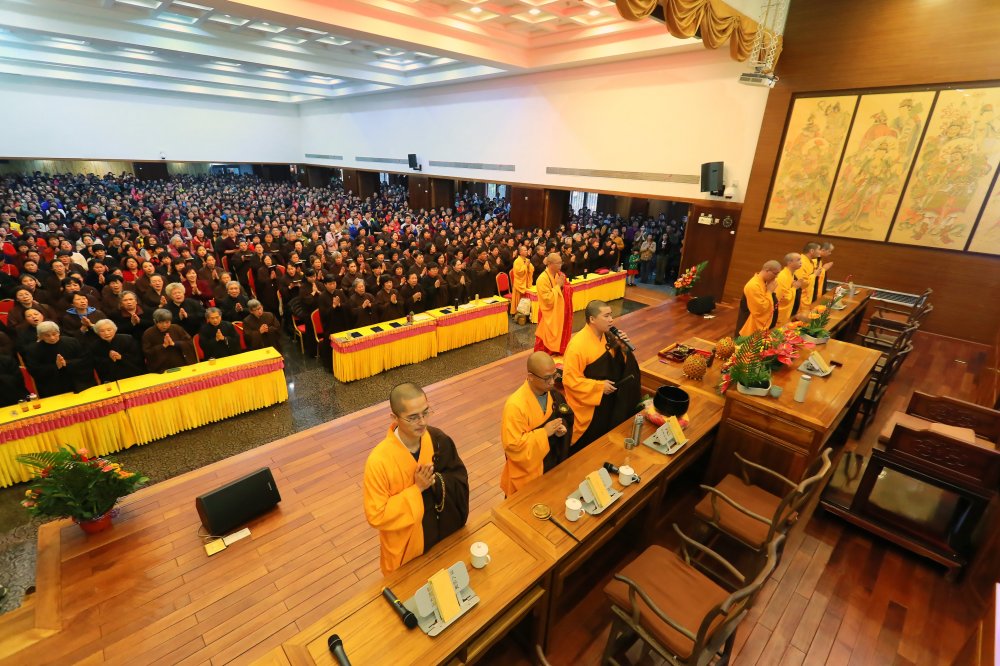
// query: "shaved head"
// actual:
[[771, 266], [791, 257], [401, 393], [541, 364], [553, 258]]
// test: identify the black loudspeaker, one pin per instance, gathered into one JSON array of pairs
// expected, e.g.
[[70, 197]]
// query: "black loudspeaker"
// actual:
[[236, 503], [701, 305], [412, 157], [711, 178]]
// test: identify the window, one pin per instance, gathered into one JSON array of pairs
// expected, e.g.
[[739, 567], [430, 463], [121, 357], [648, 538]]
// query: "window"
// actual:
[[491, 190], [383, 178], [578, 201]]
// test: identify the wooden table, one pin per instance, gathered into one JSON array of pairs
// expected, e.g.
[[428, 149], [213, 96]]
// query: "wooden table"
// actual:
[[586, 288], [368, 350], [552, 489], [655, 372], [509, 588], [844, 324]]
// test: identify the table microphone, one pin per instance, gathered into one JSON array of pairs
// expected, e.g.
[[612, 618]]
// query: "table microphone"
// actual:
[[618, 334], [337, 650], [408, 618]]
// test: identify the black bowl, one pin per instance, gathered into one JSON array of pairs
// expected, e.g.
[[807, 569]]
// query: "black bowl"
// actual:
[[671, 401]]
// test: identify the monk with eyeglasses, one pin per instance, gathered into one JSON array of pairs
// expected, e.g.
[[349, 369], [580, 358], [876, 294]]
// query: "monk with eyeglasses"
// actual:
[[416, 487]]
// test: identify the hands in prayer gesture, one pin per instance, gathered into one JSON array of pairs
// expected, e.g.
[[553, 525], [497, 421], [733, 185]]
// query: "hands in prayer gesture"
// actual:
[[264, 328], [828, 265], [182, 314], [168, 341], [134, 319], [114, 356], [560, 281], [423, 477], [392, 299], [239, 307], [60, 361], [219, 336], [555, 427]]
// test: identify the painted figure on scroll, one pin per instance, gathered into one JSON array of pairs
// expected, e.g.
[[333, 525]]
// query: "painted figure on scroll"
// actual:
[[555, 308], [535, 426], [600, 377], [416, 488]]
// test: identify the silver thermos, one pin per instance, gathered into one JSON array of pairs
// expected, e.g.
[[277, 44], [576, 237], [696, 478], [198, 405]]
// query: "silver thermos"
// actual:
[[637, 430]]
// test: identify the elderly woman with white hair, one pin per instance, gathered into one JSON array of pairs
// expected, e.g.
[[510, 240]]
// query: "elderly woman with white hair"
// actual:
[[58, 364], [188, 313], [116, 355]]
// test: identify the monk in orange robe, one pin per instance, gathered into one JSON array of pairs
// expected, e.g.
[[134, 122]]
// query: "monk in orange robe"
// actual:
[[549, 335], [807, 272], [416, 488], [522, 277], [788, 289], [531, 421], [825, 250], [761, 300], [600, 378]]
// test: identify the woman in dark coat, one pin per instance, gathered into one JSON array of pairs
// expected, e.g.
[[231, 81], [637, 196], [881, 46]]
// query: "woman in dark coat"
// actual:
[[116, 356]]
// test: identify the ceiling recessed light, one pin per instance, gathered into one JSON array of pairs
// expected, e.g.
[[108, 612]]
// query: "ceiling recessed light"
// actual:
[[226, 63], [594, 12], [145, 4], [534, 11], [264, 26], [275, 71], [67, 40], [476, 10], [311, 31], [191, 5], [288, 39], [132, 49], [334, 41], [228, 19], [177, 18]]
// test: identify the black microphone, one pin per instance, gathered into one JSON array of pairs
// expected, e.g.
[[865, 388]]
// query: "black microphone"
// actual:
[[618, 334], [612, 469], [408, 618], [337, 650]]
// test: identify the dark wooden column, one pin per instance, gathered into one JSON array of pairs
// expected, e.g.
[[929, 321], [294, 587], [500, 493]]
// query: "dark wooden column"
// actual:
[[606, 203], [713, 242], [352, 182], [527, 207], [556, 209], [442, 193], [368, 183], [151, 170], [420, 192]]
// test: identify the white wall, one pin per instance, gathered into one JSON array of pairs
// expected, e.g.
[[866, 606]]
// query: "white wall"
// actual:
[[663, 115], [56, 120]]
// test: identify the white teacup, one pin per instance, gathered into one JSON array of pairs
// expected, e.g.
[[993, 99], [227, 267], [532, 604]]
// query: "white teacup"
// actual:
[[626, 475], [480, 555], [574, 509]]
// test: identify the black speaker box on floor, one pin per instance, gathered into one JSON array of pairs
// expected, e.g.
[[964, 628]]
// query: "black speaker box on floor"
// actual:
[[236, 503], [701, 305]]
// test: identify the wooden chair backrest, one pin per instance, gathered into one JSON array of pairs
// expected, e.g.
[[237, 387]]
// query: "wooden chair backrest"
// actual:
[[968, 466], [949, 411]]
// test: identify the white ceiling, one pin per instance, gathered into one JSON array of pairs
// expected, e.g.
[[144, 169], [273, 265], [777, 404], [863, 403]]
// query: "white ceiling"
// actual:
[[303, 50]]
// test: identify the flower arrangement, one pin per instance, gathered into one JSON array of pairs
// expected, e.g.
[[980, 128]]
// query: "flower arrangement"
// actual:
[[687, 279], [784, 344], [748, 366], [72, 484], [818, 318]]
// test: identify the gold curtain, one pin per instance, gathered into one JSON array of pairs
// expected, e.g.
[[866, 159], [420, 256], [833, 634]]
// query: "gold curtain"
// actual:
[[716, 21]]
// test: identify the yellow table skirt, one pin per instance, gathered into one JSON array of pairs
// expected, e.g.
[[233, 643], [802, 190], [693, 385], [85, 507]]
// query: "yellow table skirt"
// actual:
[[609, 287], [118, 415], [487, 318], [348, 367]]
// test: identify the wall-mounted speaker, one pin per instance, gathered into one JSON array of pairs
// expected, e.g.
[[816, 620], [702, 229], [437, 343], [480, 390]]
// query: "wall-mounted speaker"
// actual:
[[237, 502], [412, 159], [711, 178]]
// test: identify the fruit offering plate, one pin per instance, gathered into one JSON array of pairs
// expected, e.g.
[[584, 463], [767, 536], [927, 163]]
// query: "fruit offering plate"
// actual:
[[679, 353]]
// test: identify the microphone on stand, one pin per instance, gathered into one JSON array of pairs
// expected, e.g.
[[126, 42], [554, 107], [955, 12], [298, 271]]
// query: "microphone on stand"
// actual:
[[408, 618], [337, 650], [618, 334]]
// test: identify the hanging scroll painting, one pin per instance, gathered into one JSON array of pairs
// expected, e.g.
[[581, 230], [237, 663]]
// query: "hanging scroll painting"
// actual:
[[814, 140]]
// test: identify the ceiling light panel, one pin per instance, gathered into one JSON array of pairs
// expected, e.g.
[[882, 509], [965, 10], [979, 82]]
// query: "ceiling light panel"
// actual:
[[333, 41], [179, 19], [191, 5], [311, 31], [229, 20], [537, 3], [263, 26], [386, 51], [145, 4], [533, 16], [290, 39], [476, 15]]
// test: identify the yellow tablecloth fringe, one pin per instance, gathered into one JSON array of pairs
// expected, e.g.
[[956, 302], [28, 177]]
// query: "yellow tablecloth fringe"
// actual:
[[381, 357], [472, 331], [583, 292]]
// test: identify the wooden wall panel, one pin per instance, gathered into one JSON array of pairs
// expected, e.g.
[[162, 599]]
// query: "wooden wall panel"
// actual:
[[420, 192], [713, 243], [352, 183], [859, 45], [442, 193], [527, 207], [368, 183], [556, 209]]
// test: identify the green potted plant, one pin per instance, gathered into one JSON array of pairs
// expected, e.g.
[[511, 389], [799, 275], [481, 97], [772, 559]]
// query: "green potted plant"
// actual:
[[749, 368], [72, 484]]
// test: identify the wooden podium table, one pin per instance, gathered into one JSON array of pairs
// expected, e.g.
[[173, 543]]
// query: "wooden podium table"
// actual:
[[776, 432], [510, 587], [552, 489], [844, 324]]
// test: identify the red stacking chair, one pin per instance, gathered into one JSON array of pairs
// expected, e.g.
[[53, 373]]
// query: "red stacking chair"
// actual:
[[300, 331], [317, 326], [503, 285], [238, 325], [252, 283], [10, 269], [197, 347]]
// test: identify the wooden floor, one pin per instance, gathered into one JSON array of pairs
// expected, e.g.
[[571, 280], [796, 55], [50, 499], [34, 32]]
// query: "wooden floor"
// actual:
[[839, 598]]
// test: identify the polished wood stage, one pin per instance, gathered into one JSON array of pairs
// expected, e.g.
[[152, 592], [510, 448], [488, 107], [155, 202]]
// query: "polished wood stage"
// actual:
[[145, 592]]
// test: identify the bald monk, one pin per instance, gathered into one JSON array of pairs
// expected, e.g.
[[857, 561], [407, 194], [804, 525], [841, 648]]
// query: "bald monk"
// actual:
[[416, 488], [825, 250], [807, 272], [761, 300], [596, 378], [532, 428], [522, 277], [788, 289], [551, 335]]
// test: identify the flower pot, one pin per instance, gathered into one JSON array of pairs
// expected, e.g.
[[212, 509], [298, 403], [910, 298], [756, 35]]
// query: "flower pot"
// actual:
[[683, 298], [95, 525], [747, 390], [816, 341]]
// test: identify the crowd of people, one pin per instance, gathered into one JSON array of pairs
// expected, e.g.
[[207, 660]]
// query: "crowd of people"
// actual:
[[113, 276]]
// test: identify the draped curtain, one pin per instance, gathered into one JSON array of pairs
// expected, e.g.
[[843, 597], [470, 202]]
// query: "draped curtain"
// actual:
[[713, 20]]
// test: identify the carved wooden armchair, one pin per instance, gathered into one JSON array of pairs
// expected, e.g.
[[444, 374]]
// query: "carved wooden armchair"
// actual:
[[981, 425]]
